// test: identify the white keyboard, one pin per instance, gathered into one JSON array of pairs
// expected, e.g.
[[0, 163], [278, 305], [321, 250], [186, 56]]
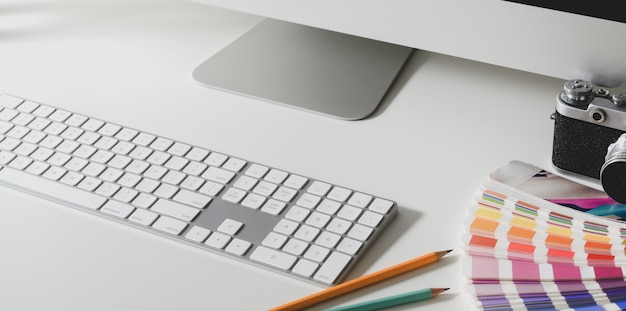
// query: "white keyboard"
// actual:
[[287, 222]]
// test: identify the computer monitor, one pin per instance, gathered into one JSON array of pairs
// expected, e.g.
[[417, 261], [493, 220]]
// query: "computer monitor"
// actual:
[[563, 40]]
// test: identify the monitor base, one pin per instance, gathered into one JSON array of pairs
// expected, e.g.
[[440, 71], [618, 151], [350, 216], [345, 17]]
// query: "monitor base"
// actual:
[[321, 71]]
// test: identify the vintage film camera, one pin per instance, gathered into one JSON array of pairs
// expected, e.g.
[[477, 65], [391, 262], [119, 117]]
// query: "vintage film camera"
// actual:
[[587, 125]]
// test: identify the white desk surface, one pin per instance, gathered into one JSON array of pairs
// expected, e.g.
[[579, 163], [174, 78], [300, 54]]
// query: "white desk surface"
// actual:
[[445, 125]]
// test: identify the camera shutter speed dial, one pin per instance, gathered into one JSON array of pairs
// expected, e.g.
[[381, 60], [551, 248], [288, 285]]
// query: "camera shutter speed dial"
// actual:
[[578, 91]]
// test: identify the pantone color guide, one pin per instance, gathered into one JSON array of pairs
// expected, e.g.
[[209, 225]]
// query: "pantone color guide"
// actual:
[[537, 241]]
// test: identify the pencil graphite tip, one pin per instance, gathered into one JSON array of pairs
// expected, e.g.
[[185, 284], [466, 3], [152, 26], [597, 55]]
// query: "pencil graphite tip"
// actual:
[[437, 291], [442, 253]]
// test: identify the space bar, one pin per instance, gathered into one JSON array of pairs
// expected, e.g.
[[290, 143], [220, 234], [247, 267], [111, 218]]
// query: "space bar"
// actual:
[[49, 189]]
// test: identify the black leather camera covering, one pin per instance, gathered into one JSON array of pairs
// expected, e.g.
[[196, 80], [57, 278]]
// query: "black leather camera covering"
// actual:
[[580, 147]]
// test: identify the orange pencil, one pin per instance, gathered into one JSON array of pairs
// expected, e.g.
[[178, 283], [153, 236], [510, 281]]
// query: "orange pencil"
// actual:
[[361, 282]]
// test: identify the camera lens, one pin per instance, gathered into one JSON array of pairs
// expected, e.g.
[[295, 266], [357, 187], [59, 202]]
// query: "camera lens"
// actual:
[[613, 172], [613, 178]]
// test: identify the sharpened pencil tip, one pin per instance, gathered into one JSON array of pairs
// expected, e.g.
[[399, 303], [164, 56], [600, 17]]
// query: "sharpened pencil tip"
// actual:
[[437, 291], [442, 253]]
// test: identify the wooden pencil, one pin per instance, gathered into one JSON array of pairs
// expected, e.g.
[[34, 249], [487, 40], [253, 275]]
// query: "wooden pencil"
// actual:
[[392, 301]]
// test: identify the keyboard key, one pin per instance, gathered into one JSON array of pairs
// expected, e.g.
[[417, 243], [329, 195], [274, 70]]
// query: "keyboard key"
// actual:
[[211, 188], [307, 233], [318, 220], [334, 265], [54, 173], [370, 219], [297, 213], [329, 207], [233, 195], [238, 247], [286, 227], [284, 194], [319, 188], [217, 240], [125, 195], [276, 176], [51, 189], [38, 168], [75, 120], [197, 234], [192, 198], [234, 165], [295, 247], [215, 159], [20, 162], [273, 207], [257, 171], [339, 194], [265, 188], [328, 239], [143, 217], [176, 210], [197, 154], [144, 139], [169, 225], [10, 101], [305, 267], [161, 144], [8, 114], [60, 115], [195, 168], [5, 127], [360, 200], [166, 191], [218, 175], [117, 209], [126, 134], [230, 227], [360, 232], [253, 201], [350, 213], [273, 257], [72, 178], [381, 206], [89, 184], [349, 246], [317, 253], [295, 182], [43, 111], [27, 106], [109, 129], [93, 125], [106, 189], [274, 240], [245, 182], [308, 200], [144, 200]]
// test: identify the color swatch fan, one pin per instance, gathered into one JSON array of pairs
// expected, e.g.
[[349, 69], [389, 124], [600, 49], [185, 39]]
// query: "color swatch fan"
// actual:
[[537, 241]]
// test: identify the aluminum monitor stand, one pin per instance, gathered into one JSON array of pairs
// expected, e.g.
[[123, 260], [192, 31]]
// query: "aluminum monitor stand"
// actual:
[[317, 70]]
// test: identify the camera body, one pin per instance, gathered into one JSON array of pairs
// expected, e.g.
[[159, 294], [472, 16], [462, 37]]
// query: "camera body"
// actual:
[[587, 120]]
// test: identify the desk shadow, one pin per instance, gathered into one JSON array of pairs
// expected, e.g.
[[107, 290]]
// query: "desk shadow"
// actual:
[[398, 226], [415, 61]]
